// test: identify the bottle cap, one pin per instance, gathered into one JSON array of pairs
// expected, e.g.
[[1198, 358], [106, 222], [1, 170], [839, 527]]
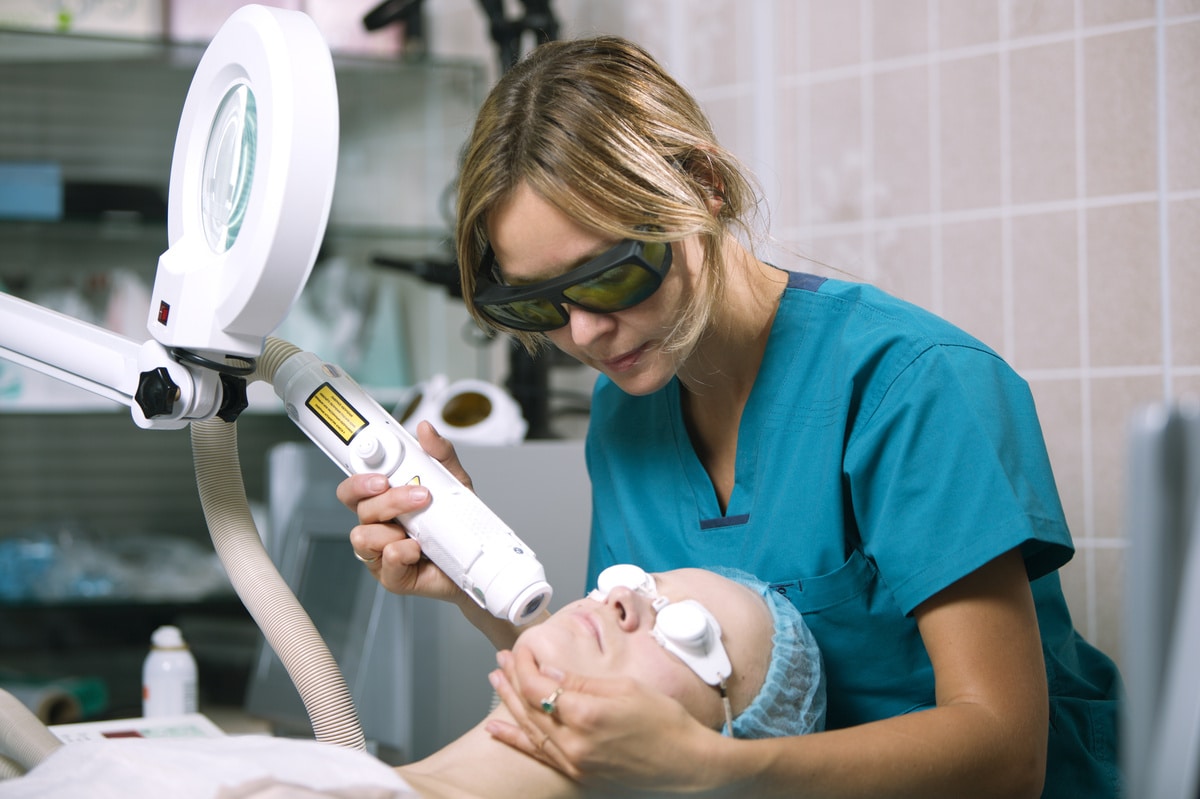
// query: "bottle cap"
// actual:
[[167, 637]]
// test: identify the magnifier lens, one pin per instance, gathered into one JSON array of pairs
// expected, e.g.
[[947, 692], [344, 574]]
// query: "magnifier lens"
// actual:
[[229, 168]]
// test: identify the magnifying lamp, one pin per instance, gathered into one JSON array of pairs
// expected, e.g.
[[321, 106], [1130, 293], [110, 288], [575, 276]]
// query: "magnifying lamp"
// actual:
[[251, 187]]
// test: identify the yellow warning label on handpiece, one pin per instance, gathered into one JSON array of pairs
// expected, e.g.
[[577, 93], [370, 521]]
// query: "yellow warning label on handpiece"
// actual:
[[337, 414]]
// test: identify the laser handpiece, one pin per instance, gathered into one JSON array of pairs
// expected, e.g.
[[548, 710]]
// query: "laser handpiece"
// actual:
[[457, 531]]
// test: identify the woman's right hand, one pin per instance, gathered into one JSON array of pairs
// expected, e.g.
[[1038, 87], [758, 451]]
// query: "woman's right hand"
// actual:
[[399, 565]]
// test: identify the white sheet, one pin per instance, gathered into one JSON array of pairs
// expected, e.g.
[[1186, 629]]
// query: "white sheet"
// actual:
[[232, 767]]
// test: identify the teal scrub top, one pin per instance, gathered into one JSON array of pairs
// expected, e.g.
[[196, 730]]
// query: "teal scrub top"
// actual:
[[883, 454]]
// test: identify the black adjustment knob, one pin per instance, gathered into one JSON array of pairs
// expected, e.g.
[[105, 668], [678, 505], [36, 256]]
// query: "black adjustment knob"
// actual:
[[156, 392], [233, 398]]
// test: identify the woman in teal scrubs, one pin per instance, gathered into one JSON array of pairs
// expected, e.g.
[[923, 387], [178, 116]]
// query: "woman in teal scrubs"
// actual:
[[877, 466]]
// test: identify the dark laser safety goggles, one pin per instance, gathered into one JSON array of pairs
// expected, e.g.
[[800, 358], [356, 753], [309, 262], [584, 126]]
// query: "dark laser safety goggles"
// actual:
[[617, 279]]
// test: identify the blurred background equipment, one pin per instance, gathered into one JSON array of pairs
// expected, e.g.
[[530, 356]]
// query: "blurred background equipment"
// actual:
[[528, 377]]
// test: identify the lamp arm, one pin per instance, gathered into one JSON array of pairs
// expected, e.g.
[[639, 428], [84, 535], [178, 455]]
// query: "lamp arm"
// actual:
[[161, 392]]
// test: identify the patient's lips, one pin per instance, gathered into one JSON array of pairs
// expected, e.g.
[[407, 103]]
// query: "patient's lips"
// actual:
[[591, 627]]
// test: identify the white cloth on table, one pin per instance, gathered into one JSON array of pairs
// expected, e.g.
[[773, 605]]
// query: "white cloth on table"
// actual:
[[229, 767]]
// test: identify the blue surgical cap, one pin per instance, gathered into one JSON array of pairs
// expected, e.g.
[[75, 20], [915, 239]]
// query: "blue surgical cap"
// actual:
[[792, 698]]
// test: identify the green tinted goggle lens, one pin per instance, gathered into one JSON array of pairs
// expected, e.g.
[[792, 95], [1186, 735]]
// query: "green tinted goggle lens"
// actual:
[[618, 279], [544, 314]]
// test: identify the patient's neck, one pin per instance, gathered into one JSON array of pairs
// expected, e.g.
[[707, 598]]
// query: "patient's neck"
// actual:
[[477, 765]]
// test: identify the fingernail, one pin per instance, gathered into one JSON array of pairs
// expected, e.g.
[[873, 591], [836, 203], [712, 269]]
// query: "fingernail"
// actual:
[[377, 483], [418, 493], [552, 673], [502, 658], [494, 678]]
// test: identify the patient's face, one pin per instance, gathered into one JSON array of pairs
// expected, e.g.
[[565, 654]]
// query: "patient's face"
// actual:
[[613, 638]]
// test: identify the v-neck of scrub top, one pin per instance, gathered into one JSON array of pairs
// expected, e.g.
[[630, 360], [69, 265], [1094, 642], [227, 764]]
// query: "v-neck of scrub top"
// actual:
[[775, 360]]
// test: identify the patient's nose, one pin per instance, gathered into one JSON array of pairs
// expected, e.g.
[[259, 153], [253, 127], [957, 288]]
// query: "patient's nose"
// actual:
[[632, 609]]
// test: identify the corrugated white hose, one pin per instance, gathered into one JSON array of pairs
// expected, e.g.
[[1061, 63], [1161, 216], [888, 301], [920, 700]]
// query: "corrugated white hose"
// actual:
[[266, 595], [9, 768], [24, 740]]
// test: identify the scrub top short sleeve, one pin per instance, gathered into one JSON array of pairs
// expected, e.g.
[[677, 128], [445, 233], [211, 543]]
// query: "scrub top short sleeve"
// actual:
[[949, 470]]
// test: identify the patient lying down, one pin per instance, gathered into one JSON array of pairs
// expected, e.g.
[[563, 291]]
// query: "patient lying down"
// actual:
[[630, 627], [759, 675]]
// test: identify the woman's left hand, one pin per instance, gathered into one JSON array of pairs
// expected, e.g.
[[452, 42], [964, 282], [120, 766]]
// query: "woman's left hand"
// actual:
[[601, 728]]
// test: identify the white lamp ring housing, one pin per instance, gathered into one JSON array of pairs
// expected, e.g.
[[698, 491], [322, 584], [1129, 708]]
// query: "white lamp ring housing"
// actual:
[[251, 185]]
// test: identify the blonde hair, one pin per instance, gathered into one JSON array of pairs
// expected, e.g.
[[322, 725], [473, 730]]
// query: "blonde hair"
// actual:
[[601, 132]]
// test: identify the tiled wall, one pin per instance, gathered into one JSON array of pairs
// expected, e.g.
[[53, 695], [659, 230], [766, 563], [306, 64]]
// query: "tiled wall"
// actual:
[[1028, 170]]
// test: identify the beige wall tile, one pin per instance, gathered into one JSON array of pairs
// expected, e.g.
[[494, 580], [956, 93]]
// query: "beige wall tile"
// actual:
[[1045, 268], [1174, 8], [818, 258], [1183, 105], [834, 34], [841, 256], [1184, 295], [1037, 17], [1042, 122], [1109, 576], [720, 44], [732, 117], [968, 22], [837, 151], [901, 133], [899, 28], [1113, 400], [644, 24], [904, 266], [1124, 300], [1060, 410], [790, 32], [793, 154], [792, 253], [576, 18], [1119, 79], [970, 133], [1108, 12], [972, 283]]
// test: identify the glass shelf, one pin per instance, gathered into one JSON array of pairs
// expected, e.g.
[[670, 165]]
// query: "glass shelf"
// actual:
[[154, 232], [21, 46], [28, 46]]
